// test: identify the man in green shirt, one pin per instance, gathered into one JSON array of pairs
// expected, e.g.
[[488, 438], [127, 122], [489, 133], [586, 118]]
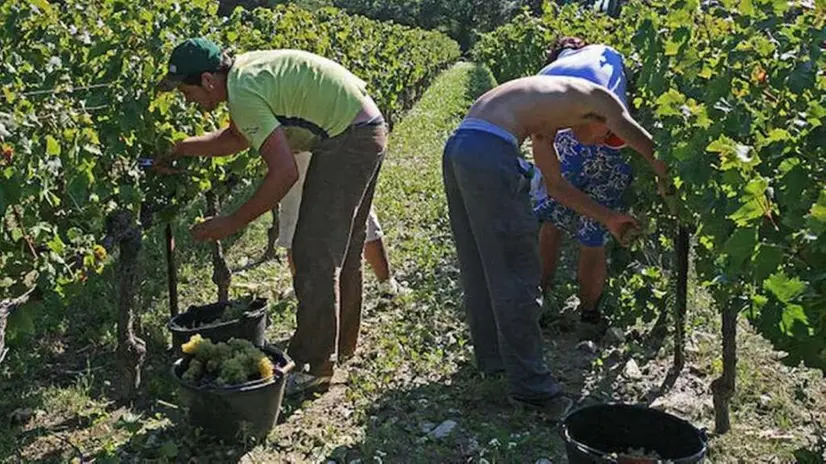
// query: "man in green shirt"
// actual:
[[282, 102]]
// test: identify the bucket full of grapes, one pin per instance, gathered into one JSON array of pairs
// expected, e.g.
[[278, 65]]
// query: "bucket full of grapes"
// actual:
[[627, 434], [242, 318], [232, 390]]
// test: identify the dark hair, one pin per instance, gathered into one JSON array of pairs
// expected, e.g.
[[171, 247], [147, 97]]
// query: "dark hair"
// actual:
[[563, 43], [227, 60]]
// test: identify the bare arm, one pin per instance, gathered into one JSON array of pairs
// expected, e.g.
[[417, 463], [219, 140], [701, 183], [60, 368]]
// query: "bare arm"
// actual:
[[547, 161], [620, 122], [223, 142], [282, 173]]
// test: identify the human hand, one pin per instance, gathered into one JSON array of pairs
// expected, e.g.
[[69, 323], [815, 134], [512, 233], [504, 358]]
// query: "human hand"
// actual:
[[162, 164], [624, 228], [215, 228]]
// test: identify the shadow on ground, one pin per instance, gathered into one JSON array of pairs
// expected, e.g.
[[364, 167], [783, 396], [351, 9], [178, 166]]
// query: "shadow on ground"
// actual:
[[461, 417]]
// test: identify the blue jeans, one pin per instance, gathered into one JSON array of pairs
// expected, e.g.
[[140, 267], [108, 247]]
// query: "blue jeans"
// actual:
[[496, 236]]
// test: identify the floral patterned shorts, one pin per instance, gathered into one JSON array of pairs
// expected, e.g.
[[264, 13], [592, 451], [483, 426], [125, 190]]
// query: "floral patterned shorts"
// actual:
[[598, 171]]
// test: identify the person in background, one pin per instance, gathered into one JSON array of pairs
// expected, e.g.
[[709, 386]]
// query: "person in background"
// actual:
[[598, 170], [375, 252]]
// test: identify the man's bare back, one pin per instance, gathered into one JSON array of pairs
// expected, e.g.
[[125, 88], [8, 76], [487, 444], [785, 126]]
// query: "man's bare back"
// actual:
[[541, 105]]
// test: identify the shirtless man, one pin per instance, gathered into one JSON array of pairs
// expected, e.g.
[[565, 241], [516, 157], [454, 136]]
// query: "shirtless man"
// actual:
[[493, 225]]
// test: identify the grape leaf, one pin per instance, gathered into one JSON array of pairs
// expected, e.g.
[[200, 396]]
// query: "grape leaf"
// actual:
[[783, 287], [52, 146]]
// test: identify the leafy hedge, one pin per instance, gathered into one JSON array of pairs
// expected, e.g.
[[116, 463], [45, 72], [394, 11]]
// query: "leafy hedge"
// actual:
[[79, 108]]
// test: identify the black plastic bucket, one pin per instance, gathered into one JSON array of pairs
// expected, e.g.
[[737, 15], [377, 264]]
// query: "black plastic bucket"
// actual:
[[236, 412], [604, 433], [198, 320]]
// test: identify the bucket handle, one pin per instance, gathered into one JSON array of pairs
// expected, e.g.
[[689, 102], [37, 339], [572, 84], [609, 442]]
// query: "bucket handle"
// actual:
[[585, 449], [286, 368], [591, 451]]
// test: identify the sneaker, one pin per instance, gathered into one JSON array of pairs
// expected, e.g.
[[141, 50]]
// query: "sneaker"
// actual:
[[390, 288], [554, 408], [303, 383], [287, 293], [592, 325]]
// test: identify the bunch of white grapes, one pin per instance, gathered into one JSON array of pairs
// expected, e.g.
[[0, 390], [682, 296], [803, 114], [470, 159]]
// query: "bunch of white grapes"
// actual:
[[230, 363]]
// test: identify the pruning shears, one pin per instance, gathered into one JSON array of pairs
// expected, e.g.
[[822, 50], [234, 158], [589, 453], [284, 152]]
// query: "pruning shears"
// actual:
[[151, 163]]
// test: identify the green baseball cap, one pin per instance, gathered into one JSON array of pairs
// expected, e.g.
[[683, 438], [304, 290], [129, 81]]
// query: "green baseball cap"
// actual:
[[191, 57]]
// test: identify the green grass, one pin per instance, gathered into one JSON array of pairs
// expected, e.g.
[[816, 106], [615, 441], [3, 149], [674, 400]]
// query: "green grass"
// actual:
[[412, 371]]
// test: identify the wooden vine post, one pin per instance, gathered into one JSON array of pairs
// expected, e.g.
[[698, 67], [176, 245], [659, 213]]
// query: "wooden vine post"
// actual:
[[221, 274], [683, 246], [272, 237], [124, 231], [724, 386], [171, 271]]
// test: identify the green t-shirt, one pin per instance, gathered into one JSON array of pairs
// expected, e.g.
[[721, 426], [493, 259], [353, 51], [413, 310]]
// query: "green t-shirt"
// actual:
[[311, 97]]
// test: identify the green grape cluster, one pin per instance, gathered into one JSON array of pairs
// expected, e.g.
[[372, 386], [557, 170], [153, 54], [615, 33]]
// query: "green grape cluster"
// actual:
[[194, 372], [230, 363], [235, 310]]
